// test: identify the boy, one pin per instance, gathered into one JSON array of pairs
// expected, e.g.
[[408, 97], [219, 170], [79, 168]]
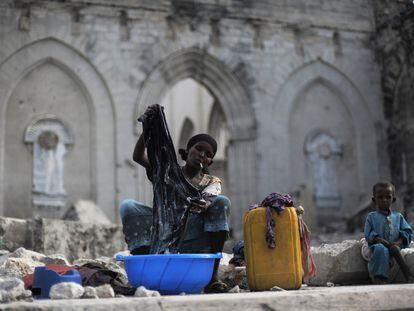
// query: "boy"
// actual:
[[386, 233]]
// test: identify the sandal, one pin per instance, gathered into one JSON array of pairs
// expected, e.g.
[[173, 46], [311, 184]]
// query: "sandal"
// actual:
[[216, 288]]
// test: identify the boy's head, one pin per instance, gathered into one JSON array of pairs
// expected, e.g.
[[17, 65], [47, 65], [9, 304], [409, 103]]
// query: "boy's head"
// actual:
[[383, 195]]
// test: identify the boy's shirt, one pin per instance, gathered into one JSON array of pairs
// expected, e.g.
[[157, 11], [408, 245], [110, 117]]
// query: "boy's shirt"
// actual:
[[390, 228]]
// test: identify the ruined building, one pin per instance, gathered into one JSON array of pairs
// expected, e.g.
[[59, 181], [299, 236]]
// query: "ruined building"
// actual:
[[309, 97]]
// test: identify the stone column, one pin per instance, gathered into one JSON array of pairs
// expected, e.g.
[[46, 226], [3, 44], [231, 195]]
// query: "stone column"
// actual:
[[242, 180]]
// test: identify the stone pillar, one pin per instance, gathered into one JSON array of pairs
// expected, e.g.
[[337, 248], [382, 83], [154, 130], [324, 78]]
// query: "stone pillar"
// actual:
[[242, 181]]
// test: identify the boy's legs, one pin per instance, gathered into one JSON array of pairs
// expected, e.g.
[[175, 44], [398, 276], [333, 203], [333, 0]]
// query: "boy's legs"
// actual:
[[395, 252], [379, 266], [136, 226]]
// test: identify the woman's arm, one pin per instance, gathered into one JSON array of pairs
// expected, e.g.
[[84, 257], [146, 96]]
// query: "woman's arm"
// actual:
[[140, 155]]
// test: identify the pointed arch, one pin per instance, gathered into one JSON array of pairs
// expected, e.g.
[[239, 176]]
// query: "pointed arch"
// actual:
[[362, 120], [228, 90], [217, 127], [187, 130], [99, 99], [212, 74]]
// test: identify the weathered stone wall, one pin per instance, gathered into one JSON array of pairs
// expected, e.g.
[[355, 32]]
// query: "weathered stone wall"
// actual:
[[266, 63], [395, 52]]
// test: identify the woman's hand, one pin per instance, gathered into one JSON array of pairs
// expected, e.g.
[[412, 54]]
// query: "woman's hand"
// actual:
[[199, 206]]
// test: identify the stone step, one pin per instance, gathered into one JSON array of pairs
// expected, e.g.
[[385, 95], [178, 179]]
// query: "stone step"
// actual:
[[370, 297]]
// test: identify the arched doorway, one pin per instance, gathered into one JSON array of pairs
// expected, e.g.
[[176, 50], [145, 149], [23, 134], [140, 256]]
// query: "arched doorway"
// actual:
[[317, 98], [230, 93]]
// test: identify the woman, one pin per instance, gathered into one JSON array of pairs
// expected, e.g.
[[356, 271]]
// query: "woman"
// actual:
[[208, 222]]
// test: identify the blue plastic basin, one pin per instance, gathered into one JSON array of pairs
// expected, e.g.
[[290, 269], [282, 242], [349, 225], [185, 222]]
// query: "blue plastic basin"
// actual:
[[170, 274]]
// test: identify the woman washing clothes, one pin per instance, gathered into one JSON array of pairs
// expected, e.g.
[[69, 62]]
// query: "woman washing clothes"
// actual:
[[208, 221]]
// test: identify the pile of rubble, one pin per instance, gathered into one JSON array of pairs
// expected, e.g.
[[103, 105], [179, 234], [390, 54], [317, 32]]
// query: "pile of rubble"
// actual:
[[58, 242]]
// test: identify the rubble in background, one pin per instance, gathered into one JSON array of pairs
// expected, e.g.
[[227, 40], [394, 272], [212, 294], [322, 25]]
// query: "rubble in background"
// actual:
[[86, 211], [73, 239]]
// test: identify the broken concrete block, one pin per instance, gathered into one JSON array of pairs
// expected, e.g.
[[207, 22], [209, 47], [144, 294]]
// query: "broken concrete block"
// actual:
[[225, 259], [75, 239], [70, 238], [23, 261], [55, 259], [21, 252], [19, 267], [235, 289], [105, 291], [90, 293], [13, 233], [66, 290], [4, 255], [86, 211], [143, 292], [12, 288], [339, 263], [232, 275], [408, 255]]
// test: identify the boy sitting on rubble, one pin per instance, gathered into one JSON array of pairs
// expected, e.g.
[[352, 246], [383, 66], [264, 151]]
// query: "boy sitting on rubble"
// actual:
[[386, 232]]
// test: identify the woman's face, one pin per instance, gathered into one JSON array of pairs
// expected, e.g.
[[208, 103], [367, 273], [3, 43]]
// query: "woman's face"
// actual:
[[201, 154]]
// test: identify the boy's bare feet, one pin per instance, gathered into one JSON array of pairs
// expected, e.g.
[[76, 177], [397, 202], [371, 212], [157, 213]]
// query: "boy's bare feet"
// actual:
[[378, 280]]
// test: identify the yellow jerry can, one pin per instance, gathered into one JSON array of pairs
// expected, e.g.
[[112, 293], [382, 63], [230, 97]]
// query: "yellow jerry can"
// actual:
[[266, 267]]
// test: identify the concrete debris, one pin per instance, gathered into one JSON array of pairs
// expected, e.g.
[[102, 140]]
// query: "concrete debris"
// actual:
[[232, 275], [86, 211], [19, 267], [13, 232], [66, 290], [105, 291], [225, 259], [73, 239], [21, 252], [408, 255], [89, 293], [339, 263], [12, 288], [56, 259], [235, 289], [22, 262], [143, 292]]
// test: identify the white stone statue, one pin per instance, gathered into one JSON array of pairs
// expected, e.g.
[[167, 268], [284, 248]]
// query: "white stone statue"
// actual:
[[50, 139], [323, 151]]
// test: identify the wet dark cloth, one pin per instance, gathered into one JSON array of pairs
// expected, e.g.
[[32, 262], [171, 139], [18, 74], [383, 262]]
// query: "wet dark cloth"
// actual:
[[238, 254], [95, 274], [278, 202], [171, 190]]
